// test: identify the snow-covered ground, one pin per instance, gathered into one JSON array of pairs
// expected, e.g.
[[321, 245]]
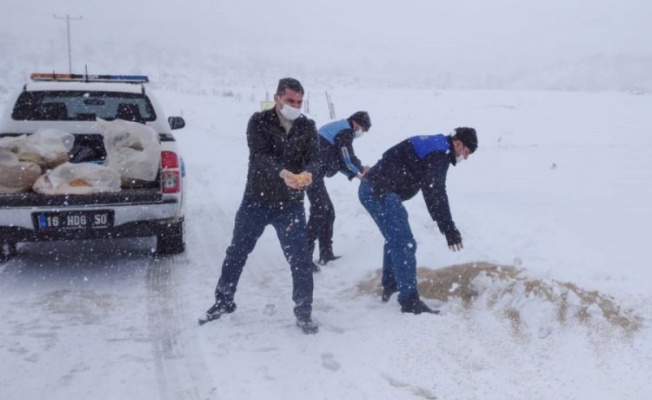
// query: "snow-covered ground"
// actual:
[[557, 196]]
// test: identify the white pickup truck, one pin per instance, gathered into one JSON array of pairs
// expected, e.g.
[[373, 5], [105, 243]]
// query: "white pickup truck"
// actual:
[[71, 103]]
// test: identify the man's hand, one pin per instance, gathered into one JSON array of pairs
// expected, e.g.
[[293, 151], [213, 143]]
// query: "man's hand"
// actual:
[[454, 239], [365, 169], [456, 247], [296, 181]]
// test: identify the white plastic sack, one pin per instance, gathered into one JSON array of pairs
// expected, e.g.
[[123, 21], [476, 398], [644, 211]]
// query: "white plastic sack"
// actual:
[[7, 156], [82, 178], [16, 176], [132, 149], [11, 144], [47, 147]]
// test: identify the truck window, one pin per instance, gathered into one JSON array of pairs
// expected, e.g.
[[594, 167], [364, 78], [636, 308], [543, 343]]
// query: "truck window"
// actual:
[[81, 106]]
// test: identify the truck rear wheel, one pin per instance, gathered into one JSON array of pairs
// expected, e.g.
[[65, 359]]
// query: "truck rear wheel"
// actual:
[[7, 250], [170, 240]]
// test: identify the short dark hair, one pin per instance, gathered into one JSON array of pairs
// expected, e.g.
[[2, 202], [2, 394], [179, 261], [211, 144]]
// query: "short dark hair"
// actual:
[[362, 118], [468, 137], [288, 83]]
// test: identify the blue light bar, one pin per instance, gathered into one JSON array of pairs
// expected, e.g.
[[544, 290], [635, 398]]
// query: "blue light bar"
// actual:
[[89, 78]]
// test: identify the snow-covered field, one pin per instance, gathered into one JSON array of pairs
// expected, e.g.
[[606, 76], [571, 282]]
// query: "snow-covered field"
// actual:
[[557, 196]]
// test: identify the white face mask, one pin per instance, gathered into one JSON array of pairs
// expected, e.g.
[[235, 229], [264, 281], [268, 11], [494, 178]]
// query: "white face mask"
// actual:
[[358, 133], [290, 112], [459, 159]]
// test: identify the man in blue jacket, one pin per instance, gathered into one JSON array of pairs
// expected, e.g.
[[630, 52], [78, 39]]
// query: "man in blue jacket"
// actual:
[[419, 163], [283, 157], [335, 155]]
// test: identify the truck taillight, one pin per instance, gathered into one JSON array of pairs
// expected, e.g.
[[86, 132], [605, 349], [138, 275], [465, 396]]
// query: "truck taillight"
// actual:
[[169, 159], [170, 174]]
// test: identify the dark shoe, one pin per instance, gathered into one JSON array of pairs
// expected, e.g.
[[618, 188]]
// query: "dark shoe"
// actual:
[[414, 305], [325, 258], [307, 325], [216, 311], [315, 268], [388, 291]]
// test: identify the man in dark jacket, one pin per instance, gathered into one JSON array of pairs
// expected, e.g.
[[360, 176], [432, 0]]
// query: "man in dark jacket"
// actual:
[[283, 157], [335, 155], [419, 163]]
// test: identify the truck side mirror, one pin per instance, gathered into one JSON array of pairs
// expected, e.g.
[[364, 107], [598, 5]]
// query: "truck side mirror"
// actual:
[[176, 122]]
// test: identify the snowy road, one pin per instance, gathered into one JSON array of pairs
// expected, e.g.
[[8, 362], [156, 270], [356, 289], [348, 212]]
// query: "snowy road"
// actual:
[[106, 322]]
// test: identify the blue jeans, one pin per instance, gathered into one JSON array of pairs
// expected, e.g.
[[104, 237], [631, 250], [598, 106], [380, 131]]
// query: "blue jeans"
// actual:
[[399, 252], [289, 221]]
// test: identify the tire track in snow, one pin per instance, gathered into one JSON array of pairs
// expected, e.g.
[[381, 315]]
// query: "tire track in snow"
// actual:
[[181, 369], [180, 366]]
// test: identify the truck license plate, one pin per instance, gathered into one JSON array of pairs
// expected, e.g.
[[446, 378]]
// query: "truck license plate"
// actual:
[[74, 220]]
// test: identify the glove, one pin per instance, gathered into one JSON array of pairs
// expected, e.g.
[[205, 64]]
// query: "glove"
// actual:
[[453, 237]]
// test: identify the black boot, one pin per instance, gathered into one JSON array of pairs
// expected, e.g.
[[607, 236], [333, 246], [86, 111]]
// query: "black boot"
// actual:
[[307, 325], [388, 291], [314, 267], [326, 255], [216, 311], [414, 305]]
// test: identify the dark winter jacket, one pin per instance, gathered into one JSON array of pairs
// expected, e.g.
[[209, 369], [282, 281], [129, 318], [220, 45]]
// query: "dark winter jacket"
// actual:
[[417, 163], [272, 150], [336, 150]]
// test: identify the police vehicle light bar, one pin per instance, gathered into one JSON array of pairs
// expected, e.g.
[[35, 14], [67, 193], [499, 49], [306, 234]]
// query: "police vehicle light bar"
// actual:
[[37, 76]]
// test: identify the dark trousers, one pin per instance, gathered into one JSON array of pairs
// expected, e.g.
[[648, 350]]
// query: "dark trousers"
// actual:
[[289, 221], [322, 216], [399, 252]]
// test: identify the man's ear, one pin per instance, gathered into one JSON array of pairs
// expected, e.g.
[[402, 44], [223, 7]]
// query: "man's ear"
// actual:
[[457, 146]]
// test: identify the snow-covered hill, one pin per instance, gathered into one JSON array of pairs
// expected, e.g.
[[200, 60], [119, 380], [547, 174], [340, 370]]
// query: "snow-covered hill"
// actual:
[[584, 45]]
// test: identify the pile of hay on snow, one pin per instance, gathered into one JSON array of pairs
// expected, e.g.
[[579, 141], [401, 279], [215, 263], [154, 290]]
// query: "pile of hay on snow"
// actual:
[[515, 296]]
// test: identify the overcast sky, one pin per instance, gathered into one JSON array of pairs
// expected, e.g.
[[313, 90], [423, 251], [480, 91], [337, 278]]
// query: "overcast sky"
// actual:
[[463, 34]]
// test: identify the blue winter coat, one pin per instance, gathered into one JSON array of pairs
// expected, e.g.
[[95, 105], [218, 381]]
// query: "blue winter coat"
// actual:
[[336, 149], [419, 163]]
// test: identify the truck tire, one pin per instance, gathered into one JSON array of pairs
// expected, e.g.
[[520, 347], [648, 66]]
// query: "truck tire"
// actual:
[[7, 250], [170, 240]]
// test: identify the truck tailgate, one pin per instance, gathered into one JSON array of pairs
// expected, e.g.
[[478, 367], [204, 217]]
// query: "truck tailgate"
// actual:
[[123, 197]]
